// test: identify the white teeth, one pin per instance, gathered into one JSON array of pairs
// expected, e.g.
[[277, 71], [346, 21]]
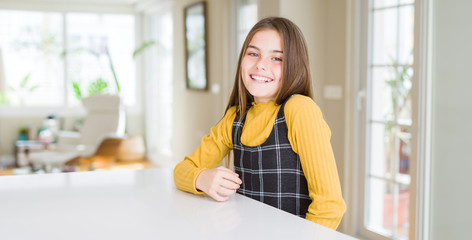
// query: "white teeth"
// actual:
[[261, 79]]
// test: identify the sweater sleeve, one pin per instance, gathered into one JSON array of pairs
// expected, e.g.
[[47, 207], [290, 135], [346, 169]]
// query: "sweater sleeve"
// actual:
[[212, 149], [310, 138]]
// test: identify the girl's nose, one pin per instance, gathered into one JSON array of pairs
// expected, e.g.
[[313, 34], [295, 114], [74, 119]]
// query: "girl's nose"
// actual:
[[261, 65]]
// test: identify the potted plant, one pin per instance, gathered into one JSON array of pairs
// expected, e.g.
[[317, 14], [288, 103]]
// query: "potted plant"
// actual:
[[100, 86]]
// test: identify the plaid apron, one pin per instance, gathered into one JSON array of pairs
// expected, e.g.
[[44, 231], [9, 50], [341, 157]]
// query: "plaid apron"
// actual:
[[271, 172]]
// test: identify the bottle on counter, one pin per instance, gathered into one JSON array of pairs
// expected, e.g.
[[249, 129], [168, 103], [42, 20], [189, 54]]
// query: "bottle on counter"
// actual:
[[48, 132]]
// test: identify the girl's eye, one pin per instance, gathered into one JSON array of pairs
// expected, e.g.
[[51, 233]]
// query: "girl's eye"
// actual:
[[277, 59], [253, 54]]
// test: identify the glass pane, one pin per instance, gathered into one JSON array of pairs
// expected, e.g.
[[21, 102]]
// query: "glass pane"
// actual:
[[159, 62], [379, 206], [384, 3], [406, 34], [389, 137], [94, 40], [383, 83], [384, 36], [404, 76], [31, 44], [390, 3], [404, 151], [381, 152], [247, 17], [407, 1], [403, 204], [248, 14]]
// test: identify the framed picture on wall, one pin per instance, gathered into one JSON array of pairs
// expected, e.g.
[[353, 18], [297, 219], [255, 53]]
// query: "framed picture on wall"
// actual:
[[196, 46]]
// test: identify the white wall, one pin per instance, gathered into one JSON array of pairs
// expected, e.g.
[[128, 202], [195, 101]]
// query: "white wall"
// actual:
[[451, 213]]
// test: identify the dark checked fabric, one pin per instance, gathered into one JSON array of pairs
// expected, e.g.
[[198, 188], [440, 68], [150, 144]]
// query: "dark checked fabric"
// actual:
[[271, 172]]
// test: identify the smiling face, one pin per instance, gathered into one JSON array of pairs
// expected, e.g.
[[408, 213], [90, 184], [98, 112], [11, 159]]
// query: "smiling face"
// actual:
[[261, 66]]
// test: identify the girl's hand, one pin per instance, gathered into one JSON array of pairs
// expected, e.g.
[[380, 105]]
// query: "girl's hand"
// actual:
[[218, 183]]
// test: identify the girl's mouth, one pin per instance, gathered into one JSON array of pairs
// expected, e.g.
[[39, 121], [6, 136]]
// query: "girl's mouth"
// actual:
[[261, 79]]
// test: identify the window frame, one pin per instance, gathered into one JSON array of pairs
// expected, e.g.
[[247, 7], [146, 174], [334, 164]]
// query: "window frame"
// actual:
[[236, 46], [63, 8], [236, 32], [356, 136], [394, 181]]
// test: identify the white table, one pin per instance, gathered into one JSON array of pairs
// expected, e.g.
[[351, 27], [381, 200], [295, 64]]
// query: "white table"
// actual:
[[136, 204]]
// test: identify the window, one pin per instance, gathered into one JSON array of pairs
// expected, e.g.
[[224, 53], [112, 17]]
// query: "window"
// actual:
[[31, 43], [49, 56], [159, 83], [93, 41], [388, 121], [247, 17], [244, 18]]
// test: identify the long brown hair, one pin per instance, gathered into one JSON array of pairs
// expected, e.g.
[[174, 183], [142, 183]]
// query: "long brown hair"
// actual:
[[296, 77]]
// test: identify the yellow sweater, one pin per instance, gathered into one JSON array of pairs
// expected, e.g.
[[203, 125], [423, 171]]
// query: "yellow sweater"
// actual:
[[309, 136]]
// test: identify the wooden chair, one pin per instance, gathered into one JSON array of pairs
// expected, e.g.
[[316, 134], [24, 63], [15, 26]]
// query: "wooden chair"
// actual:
[[105, 155]]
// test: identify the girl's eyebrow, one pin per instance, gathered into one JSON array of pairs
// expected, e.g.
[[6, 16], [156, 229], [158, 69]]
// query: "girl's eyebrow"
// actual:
[[258, 49]]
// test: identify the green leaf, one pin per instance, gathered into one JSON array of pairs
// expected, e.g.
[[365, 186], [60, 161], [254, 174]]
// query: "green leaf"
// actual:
[[77, 91], [24, 81], [79, 50], [113, 71], [4, 98], [97, 87], [143, 47], [31, 89]]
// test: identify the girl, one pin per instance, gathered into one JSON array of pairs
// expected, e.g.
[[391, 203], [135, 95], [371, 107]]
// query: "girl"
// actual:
[[282, 151]]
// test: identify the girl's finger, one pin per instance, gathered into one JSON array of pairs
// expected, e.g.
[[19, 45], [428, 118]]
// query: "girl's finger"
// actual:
[[225, 191], [232, 178], [228, 171], [229, 184]]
